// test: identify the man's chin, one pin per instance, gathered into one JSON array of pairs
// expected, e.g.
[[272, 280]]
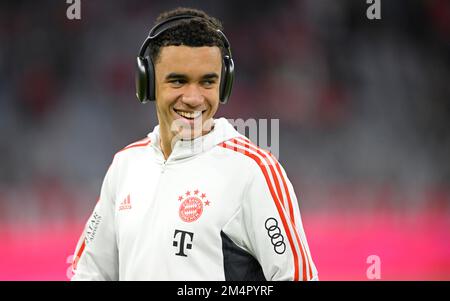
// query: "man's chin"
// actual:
[[183, 132]]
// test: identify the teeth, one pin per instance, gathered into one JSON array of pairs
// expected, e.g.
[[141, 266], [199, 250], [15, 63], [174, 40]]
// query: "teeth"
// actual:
[[190, 115]]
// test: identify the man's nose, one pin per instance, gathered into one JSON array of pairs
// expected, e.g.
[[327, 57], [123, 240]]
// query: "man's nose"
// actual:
[[192, 96]]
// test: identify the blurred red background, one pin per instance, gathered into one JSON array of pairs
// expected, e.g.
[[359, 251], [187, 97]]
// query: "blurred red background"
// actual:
[[411, 244]]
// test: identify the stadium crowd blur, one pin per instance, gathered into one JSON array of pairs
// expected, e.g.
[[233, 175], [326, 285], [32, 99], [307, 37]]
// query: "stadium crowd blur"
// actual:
[[364, 105]]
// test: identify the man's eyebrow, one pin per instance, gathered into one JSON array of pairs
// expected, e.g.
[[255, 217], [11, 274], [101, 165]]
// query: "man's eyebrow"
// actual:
[[210, 76], [174, 75]]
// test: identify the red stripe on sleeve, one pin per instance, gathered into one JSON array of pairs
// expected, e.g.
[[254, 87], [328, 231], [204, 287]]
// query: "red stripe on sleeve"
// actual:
[[78, 256], [277, 166], [277, 204]]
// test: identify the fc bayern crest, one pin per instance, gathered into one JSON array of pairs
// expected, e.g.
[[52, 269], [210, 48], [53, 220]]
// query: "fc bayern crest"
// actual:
[[192, 205]]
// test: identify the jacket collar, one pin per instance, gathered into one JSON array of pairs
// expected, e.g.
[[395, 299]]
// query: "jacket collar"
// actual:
[[183, 149]]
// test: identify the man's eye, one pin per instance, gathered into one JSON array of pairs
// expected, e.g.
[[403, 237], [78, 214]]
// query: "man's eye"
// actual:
[[177, 82], [208, 83]]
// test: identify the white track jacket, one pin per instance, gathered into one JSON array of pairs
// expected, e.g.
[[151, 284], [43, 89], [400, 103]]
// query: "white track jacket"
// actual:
[[219, 208]]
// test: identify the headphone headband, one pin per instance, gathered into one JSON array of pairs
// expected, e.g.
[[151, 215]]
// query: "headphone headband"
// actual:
[[145, 89], [166, 24], [174, 21]]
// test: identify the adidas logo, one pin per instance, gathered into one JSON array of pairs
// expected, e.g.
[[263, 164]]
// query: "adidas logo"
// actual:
[[126, 204]]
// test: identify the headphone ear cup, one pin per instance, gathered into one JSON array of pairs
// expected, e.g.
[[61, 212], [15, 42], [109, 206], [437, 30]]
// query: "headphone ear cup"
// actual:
[[151, 79], [141, 79], [226, 82], [222, 81]]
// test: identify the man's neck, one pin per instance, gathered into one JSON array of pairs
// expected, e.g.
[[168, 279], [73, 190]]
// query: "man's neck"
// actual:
[[166, 147], [165, 140]]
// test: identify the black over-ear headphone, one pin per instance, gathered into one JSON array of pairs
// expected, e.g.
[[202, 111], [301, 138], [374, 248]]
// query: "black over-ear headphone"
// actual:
[[145, 71]]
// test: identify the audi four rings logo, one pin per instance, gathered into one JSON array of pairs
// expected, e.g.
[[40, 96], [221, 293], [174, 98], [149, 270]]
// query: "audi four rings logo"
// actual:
[[275, 235]]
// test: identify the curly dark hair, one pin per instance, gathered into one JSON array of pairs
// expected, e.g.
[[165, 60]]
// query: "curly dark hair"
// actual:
[[191, 32]]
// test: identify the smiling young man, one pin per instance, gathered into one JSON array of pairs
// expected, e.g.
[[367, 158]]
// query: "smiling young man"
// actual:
[[195, 200], [187, 85]]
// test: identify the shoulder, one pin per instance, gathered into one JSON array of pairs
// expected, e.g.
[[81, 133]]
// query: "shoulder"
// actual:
[[265, 174], [135, 145], [132, 150], [253, 156]]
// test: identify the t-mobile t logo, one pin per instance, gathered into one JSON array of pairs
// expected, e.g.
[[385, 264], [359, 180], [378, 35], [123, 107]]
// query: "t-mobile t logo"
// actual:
[[181, 241]]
